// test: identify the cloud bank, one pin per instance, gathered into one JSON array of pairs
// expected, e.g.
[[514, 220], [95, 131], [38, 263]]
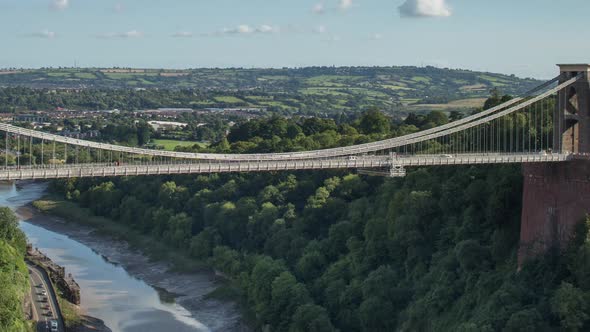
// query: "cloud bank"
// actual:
[[424, 8]]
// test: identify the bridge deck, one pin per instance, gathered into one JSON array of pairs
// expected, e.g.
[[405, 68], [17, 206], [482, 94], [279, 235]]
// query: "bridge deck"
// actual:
[[364, 162]]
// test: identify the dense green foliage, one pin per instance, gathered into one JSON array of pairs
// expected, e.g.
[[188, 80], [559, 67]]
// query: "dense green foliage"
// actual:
[[314, 90], [328, 251], [14, 282]]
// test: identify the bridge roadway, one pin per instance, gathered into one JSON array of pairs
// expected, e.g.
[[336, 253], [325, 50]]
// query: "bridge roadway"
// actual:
[[360, 162]]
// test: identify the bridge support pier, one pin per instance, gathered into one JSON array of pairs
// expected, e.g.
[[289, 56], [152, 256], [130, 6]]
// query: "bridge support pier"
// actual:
[[556, 197]]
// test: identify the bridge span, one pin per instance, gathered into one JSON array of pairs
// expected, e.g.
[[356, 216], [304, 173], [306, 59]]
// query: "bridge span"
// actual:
[[368, 162], [547, 130], [542, 126]]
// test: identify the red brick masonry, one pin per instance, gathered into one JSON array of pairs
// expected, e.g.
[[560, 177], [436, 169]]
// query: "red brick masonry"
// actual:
[[556, 196]]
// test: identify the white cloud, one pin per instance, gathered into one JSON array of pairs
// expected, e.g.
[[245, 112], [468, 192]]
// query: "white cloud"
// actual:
[[242, 29], [344, 4], [319, 8], [376, 36], [183, 34], [128, 34], [265, 29], [44, 34], [245, 29], [424, 8], [59, 4]]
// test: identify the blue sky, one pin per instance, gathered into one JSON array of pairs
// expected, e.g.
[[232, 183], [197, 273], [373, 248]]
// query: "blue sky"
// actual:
[[523, 37]]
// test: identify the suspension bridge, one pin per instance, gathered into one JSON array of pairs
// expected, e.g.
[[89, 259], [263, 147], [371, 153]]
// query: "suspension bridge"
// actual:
[[545, 125]]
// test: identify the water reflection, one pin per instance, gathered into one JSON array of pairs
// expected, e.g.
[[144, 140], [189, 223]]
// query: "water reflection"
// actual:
[[108, 292]]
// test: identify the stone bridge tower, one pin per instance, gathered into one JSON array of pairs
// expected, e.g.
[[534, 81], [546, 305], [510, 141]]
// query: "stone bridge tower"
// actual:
[[571, 132], [556, 196]]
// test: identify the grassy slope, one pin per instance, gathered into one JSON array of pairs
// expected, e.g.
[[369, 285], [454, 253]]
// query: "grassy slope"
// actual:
[[69, 312]]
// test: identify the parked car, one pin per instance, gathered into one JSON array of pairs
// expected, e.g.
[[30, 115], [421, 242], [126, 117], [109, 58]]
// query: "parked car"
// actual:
[[54, 326]]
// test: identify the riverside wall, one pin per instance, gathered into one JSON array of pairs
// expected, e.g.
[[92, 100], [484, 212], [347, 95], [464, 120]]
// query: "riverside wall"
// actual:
[[64, 282]]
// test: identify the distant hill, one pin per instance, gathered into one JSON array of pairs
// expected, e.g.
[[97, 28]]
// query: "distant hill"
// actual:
[[322, 88]]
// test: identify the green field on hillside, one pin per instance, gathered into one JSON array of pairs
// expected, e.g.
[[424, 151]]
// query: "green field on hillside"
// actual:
[[170, 145], [309, 90]]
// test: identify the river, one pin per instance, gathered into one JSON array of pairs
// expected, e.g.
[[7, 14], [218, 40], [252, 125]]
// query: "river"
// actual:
[[118, 285]]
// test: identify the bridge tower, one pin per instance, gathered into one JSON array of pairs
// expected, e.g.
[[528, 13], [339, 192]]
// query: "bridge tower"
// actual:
[[556, 196], [571, 132]]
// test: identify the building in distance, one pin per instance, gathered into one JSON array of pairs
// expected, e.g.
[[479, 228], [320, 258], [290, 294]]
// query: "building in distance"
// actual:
[[166, 125]]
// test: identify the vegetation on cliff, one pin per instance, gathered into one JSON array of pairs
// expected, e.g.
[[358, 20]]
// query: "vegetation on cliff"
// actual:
[[14, 277]]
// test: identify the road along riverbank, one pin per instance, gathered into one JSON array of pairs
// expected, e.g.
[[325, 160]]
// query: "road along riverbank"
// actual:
[[45, 303]]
